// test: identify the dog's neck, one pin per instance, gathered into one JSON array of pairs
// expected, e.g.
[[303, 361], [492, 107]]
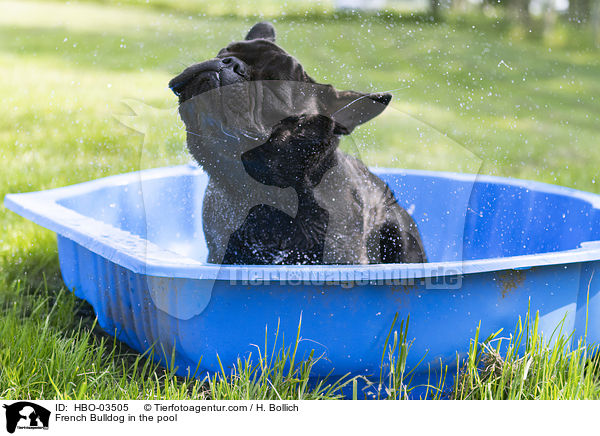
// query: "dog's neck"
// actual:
[[311, 218], [237, 192]]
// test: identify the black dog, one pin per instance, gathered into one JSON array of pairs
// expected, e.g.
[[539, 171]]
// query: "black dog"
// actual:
[[280, 191]]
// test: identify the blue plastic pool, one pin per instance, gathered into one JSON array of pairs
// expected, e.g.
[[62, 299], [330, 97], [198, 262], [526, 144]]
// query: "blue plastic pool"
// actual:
[[132, 245]]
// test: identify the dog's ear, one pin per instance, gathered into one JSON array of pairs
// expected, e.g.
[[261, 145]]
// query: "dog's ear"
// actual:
[[263, 30], [352, 108]]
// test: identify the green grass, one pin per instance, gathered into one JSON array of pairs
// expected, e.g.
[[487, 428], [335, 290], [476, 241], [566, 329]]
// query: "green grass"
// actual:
[[51, 348], [471, 94], [528, 366]]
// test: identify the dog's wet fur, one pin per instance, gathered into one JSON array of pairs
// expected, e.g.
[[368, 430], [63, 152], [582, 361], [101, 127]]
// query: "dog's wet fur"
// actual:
[[294, 198]]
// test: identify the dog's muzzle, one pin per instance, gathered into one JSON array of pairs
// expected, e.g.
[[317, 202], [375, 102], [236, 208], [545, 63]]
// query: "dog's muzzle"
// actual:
[[212, 74]]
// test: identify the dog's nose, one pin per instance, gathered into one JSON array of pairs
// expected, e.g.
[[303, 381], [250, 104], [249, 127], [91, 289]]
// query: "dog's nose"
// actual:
[[235, 65]]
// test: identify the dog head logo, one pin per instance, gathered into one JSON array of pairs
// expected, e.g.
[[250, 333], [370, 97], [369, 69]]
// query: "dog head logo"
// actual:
[[26, 415]]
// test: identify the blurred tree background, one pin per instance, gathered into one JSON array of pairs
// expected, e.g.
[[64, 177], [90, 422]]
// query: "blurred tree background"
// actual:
[[536, 16]]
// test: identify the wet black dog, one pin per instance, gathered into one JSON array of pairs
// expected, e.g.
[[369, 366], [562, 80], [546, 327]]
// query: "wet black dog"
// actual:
[[280, 191]]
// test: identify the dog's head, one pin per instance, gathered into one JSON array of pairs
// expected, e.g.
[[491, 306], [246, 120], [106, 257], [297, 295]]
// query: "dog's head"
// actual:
[[236, 101], [255, 58]]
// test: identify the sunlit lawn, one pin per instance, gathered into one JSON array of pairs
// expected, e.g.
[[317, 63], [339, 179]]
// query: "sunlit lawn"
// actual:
[[469, 95]]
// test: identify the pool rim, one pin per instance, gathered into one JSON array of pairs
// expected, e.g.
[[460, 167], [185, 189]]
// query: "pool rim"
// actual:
[[143, 257]]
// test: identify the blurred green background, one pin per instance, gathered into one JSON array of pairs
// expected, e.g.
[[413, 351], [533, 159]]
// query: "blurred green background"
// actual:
[[517, 92], [508, 87]]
